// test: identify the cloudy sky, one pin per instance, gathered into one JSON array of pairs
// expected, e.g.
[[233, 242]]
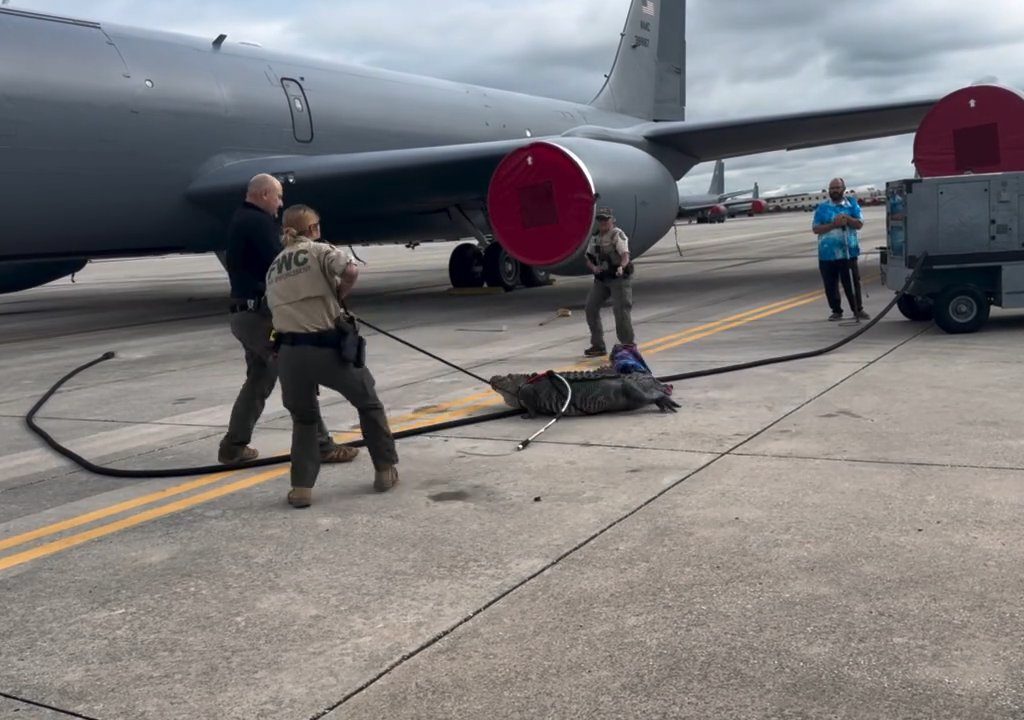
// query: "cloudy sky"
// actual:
[[744, 57]]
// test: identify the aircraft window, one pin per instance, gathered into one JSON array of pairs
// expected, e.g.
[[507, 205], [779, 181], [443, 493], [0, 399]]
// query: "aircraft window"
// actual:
[[298, 104], [529, 132], [149, 83]]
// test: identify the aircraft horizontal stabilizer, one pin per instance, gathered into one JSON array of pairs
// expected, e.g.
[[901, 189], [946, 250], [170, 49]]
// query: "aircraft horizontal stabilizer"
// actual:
[[730, 138]]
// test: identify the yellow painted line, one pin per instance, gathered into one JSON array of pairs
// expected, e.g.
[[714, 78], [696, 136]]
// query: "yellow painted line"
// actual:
[[698, 336], [657, 346], [112, 510], [729, 320], [158, 512]]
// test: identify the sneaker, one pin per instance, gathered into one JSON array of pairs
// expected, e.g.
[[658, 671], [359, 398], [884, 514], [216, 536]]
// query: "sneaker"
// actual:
[[300, 497], [594, 351], [234, 455], [384, 480], [835, 316], [339, 454], [861, 315]]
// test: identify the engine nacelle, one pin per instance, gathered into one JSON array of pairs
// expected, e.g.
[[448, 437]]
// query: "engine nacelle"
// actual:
[[25, 274], [717, 211], [543, 197], [758, 206]]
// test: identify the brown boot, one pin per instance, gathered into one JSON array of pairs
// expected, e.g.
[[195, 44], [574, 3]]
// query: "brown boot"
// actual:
[[233, 455], [384, 480], [300, 497], [339, 454]]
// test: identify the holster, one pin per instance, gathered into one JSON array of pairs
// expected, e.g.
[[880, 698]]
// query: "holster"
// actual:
[[351, 345]]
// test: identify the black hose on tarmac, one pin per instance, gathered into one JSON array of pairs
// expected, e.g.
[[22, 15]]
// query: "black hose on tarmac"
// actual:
[[92, 467], [808, 353]]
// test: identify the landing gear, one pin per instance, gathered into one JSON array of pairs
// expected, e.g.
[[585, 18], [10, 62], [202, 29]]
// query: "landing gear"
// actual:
[[532, 277], [466, 266], [500, 268], [471, 267]]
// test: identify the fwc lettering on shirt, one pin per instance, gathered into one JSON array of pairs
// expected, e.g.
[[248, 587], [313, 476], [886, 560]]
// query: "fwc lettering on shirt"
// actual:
[[838, 243], [289, 264]]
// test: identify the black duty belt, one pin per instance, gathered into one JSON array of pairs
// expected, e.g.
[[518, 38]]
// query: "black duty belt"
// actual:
[[326, 338], [252, 305]]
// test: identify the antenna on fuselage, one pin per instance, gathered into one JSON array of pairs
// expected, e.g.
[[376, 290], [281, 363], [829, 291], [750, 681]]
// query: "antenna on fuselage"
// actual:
[[220, 40]]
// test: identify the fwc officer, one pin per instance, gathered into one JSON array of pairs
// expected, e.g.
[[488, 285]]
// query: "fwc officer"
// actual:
[[319, 345], [254, 240], [608, 260]]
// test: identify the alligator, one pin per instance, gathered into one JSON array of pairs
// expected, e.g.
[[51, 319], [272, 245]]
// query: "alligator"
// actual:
[[593, 392]]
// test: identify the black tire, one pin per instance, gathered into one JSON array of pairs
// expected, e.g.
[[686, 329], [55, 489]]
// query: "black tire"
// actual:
[[961, 309], [915, 308], [466, 266], [500, 268], [532, 277]]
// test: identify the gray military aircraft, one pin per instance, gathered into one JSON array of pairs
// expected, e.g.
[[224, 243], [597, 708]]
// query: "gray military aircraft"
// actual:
[[117, 141], [716, 203]]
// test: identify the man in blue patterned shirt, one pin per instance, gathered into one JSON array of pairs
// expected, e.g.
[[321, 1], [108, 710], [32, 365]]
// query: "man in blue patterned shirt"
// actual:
[[836, 222]]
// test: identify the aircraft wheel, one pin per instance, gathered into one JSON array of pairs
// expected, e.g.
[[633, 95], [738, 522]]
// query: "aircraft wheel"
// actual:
[[532, 277], [500, 268], [466, 266]]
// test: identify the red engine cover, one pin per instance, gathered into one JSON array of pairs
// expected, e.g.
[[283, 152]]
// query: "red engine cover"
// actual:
[[541, 203], [977, 129], [717, 210], [758, 206]]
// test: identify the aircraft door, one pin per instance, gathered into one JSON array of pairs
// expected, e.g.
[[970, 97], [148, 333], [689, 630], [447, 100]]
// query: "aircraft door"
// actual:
[[302, 121]]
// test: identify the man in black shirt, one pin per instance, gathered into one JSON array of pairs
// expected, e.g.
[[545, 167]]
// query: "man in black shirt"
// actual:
[[254, 240]]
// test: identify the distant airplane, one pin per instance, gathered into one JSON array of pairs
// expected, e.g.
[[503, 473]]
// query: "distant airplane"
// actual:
[[122, 142], [716, 203]]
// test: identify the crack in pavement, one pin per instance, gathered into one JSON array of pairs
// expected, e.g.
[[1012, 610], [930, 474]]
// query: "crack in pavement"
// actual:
[[44, 706], [896, 463], [391, 667]]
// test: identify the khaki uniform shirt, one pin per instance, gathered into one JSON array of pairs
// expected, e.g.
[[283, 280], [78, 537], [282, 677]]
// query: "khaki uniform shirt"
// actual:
[[604, 243], [302, 286]]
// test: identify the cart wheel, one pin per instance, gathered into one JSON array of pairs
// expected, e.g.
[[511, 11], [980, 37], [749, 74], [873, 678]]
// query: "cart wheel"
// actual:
[[915, 308], [961, 309]]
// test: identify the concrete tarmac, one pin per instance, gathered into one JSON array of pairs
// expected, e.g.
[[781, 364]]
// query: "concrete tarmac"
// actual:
[[838, 537]]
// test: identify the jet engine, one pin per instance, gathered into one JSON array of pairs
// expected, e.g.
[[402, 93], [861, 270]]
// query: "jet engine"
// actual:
[[543, 197], [758, 206], [25, 274], [717, 213]]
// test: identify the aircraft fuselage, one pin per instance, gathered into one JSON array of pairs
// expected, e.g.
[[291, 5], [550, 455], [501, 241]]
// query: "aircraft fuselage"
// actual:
[[102, 128]]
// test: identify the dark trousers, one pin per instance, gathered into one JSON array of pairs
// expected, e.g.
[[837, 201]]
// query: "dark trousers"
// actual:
[[302, 369], [252, 330], [620, 290], [846, 271]]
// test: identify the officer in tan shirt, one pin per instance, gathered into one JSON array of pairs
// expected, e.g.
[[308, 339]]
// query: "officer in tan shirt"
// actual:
[[608, 260], [319, 345]]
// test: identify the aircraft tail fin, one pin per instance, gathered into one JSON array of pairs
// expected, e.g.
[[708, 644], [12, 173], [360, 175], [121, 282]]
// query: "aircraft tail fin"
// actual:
[[717, 186], [648, 78]]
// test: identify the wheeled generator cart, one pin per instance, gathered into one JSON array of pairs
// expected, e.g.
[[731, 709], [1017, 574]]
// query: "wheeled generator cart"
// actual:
[[970, 228]]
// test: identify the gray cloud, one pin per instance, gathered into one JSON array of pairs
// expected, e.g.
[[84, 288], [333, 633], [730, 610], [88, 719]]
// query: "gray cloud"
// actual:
[[744, 58]]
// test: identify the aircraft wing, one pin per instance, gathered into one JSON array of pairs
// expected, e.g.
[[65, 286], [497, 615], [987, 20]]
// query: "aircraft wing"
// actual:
[[368, 184], [730, 138]]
